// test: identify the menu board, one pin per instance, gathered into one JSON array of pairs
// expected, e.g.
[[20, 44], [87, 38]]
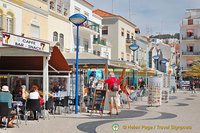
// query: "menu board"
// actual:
[[165, 95], [155, 85], [99, 100]]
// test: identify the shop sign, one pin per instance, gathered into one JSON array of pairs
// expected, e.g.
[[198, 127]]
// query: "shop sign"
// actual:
[[140, 80], [25, 43]]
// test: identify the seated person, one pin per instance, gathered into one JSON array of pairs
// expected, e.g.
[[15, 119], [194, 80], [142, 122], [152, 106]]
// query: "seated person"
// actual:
[[17, 93], [25, 93], [5, 96], [34, 94]]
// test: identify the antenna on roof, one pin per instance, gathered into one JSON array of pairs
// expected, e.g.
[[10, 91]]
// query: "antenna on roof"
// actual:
[[129, 10], [112, 5]]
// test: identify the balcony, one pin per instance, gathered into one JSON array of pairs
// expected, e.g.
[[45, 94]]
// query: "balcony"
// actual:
[[99, 41], [191, 38], [91, 25], [130, 40], [191, 53]]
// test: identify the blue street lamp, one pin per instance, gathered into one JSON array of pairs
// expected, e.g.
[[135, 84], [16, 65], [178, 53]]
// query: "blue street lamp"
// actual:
[[173, 65], [77, 19], [180, 83], [134, 47], [164, 61], [156, 57]]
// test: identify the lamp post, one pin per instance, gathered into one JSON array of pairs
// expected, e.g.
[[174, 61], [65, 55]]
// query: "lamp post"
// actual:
[[164, 61], [180, 83], [77, 19], [134, 47], [173, 65], [156, 57]]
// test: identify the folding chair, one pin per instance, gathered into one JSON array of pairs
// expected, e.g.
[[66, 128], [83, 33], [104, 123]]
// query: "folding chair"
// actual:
[[4, 111]]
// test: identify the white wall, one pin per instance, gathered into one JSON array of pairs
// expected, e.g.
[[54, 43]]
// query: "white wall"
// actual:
[[18, 15]]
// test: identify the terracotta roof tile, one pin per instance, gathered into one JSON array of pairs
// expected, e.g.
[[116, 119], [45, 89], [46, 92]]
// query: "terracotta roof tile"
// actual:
[[146, 38], [137, 29], [102, 13]]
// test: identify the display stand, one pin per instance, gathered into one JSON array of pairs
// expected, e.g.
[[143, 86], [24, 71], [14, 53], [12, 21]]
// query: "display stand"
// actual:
[[155, 85], [99, 101], [165, 89]]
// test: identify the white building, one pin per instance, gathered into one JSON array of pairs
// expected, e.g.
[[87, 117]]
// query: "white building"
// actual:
[[120, 32], [190, 38], [164, 52], [90, 31]]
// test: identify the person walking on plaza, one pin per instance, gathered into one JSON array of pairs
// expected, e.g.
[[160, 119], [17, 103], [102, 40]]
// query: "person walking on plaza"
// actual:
[[5, 96], [113, 88], [193, 87]]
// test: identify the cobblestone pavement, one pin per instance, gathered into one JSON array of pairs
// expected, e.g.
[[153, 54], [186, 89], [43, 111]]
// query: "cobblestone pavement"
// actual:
[[180, 114]]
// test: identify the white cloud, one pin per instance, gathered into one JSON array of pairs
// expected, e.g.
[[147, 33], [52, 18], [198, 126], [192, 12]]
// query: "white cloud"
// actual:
[[160, 15]]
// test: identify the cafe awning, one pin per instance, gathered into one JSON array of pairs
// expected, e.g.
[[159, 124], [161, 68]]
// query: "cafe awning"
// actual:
[[34, 64]]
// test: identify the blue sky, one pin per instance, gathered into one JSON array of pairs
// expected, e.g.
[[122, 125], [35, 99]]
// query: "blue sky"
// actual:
[[151, 16]]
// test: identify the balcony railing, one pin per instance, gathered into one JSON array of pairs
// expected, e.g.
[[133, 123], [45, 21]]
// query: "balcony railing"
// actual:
[[99, 41], [191, 38], [191, 53], [91, 25], [130, 40]]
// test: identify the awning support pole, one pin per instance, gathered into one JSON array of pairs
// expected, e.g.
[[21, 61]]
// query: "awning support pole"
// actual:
[[45, 79]]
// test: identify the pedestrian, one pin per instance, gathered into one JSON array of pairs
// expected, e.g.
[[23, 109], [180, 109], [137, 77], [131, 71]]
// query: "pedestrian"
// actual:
[[113, 88], [193, 87]]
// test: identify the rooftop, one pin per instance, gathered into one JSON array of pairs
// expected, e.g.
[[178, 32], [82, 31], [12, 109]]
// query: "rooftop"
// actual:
[[103, 14], [88, 3]]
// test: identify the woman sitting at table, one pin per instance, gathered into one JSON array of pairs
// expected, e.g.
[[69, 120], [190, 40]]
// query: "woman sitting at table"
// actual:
[[25, 93], [34, 94]]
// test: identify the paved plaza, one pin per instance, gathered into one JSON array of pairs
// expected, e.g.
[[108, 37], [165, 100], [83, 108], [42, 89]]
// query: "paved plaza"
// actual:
[[181, 114]]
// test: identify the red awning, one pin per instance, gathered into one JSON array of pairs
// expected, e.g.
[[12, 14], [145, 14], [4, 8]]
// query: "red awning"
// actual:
[[57, 61], [190, 31], [189, 62]]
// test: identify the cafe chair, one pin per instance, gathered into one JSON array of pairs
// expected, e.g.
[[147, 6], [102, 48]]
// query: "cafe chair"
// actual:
[[72, 102], [4, 111], [49, 106], [63, 103], [32, 105]]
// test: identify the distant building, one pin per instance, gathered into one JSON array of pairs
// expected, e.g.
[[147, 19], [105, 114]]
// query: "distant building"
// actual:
[[190, 38]]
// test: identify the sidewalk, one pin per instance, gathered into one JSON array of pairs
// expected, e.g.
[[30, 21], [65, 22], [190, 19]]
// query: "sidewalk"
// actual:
[[182, 110]]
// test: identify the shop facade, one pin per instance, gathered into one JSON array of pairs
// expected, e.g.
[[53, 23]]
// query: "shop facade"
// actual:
[[25, 61]]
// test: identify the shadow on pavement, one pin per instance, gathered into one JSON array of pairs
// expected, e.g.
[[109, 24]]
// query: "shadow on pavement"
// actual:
[[164, 116]]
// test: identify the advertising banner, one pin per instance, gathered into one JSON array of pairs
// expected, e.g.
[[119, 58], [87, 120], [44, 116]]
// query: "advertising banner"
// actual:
[[155, 86]]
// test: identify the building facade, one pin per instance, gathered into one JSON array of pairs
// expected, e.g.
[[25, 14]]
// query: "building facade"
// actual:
[[190, 38], [120, 32]]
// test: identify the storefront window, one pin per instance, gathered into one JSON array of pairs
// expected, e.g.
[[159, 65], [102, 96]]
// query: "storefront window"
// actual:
[[3, 81], [38, 81], [59, 84], [16, 83]]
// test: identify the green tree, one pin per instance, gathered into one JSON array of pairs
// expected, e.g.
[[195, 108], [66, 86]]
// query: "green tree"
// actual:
[[194, 70]]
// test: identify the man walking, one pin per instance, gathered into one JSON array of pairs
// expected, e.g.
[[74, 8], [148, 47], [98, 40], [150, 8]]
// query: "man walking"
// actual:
[[113, 88]]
